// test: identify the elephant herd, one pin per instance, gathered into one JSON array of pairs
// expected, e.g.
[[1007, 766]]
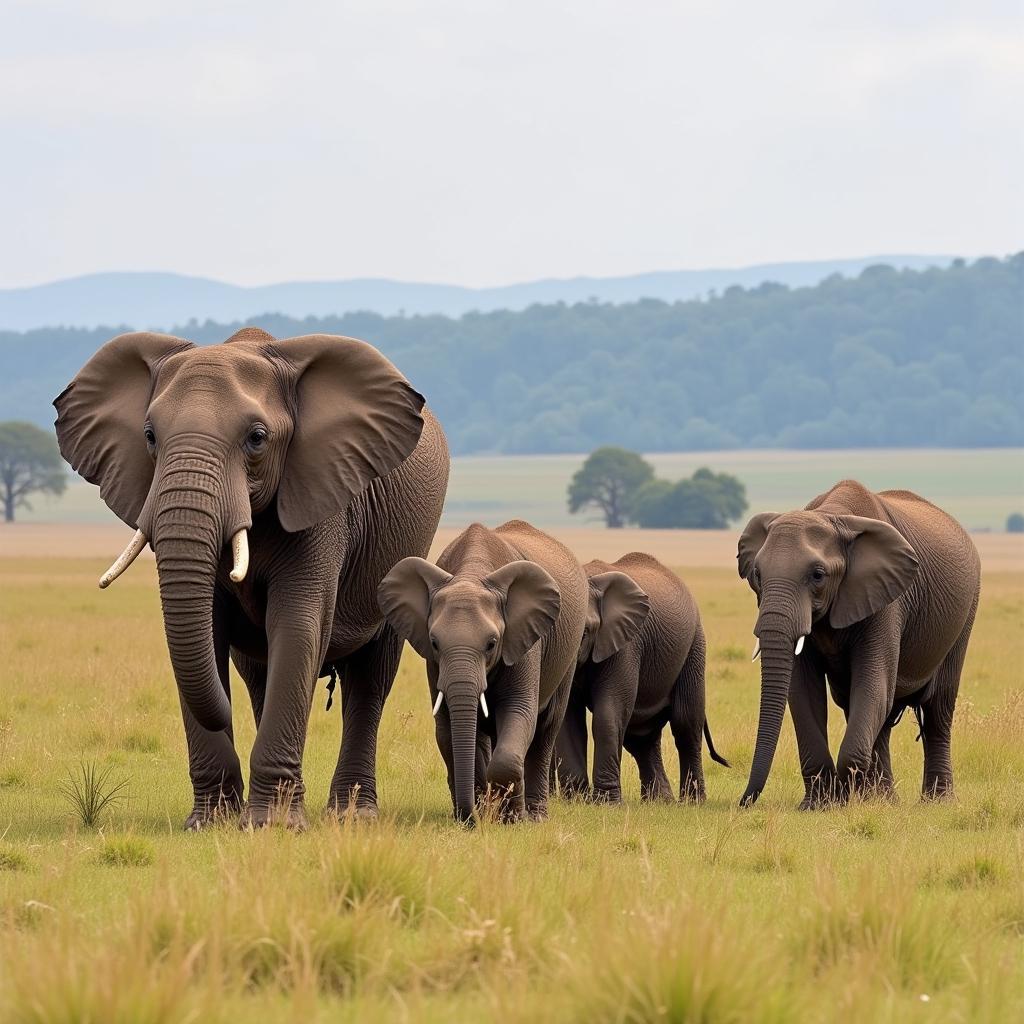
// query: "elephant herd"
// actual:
[[290, 490]]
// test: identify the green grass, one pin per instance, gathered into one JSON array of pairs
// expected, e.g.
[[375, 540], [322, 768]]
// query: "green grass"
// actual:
[[875, 911], [980, 487]]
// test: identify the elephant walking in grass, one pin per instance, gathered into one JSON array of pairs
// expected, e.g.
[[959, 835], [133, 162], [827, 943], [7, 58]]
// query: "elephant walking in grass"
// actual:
[[499, 621], [277, 482], [877, 594], [641, 664]]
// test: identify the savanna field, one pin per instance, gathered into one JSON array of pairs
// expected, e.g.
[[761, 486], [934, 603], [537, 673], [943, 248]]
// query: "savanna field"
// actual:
[[871, 912]]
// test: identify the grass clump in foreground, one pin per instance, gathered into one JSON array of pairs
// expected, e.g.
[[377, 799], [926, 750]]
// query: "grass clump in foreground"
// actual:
[[91, 790], [876, 911]]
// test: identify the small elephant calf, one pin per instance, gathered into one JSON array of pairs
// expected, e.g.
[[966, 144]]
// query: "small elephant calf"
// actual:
[[640, 665], [499, 621]]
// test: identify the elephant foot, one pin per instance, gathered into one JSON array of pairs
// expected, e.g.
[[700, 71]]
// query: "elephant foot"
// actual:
[[211, 810], [352, 805], [574, 788], [292, 816], [537, 812], [658, 794], [940, 788], [692, 796], [606, 796]]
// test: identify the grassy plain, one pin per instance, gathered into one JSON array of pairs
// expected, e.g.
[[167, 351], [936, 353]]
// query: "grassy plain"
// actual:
[[872, 912], [980, 487]]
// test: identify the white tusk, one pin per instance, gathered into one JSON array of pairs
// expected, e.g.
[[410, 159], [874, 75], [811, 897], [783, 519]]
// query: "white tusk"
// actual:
[[437, 703], [799, 645], [130, 553], [483, 704], [240, 556], [757, 650]]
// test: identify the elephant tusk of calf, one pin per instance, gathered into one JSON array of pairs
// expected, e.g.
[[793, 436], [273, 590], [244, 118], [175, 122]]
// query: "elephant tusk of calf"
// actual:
[[799, 645], [757, 650], [130, 553], [240, 556], [437, 703], [483, 703]]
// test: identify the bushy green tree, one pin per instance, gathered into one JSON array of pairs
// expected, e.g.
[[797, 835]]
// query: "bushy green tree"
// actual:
[[609, 481], [1015, 523], [705, 501], [29, 463]]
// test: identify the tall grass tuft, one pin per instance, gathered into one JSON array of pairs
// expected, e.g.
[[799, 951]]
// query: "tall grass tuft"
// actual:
[[91, 791]]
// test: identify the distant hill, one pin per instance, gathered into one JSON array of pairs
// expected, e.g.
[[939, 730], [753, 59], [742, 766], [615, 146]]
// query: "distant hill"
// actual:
[[891, 358], [143, 300]]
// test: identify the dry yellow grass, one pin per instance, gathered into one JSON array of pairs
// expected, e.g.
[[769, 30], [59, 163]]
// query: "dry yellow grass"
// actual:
[[902, 912]]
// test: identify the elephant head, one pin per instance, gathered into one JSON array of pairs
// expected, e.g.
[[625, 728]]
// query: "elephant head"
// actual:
[[616, 611], [807, 567], [466, 626], [188, 444]]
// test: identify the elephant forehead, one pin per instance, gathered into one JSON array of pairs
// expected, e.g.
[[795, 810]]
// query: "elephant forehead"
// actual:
[[800, 530], [231, 373], [462, 597]]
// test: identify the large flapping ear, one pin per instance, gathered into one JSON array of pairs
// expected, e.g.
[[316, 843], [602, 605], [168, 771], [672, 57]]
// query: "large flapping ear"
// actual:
[[531, 600], [357, 418], [404, 597], [623, 609], [880, 566], [752, 540], [101, 416]]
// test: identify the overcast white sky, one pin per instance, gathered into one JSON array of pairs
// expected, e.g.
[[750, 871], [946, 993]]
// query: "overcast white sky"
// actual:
[[484, 143]]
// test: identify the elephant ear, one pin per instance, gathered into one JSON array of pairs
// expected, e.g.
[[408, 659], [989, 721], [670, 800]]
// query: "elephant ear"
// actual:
[[880, 566], [752, 540], [531, 600], [623, 609], [101, 416], [404, 597], [356, 419]]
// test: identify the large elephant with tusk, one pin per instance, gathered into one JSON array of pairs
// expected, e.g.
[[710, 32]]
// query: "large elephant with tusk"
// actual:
[[277, 482], [499, 621], [875, 593]]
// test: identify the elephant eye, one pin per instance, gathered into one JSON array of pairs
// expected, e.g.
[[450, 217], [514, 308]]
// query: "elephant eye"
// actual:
[[818, 574], [433, 643], [257, 437], [150, 436], [491, 644]]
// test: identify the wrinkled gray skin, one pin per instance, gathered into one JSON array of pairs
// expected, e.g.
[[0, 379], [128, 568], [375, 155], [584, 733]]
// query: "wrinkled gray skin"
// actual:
[[884, 587], [348, 476], [640, 665], [501, 614]]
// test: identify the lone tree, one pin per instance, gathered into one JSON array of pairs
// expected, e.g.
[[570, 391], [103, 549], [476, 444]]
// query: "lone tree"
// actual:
[[705, 501], [29, 463], [1015, 523], [608, 480]]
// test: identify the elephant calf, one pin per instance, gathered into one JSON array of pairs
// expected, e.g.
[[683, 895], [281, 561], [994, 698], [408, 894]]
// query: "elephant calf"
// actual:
[[499, 621], [640, 665], [877, 593]]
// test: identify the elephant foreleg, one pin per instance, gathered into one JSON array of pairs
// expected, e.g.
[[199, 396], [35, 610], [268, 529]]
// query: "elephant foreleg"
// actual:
[[646, 751], [614, 696], [366, 682], [213, 765], [880, 779], [808, 706]]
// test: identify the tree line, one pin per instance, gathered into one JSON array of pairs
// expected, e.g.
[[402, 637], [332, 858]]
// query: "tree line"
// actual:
[[890, 358]]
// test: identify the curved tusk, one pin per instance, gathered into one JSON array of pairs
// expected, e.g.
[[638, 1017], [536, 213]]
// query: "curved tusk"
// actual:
[[483, 703], [757, 650], [240, 556], [437, 703], [130, 553], [799, 645]]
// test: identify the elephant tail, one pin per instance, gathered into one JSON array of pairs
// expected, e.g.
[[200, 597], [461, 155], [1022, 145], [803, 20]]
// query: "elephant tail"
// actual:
[[715, 755]]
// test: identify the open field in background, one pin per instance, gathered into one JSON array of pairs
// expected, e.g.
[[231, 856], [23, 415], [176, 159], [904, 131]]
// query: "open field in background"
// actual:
[[980, 487], [873, 912]]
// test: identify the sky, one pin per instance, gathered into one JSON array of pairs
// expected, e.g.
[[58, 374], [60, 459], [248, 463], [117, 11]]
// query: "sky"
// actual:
[[484, 143]]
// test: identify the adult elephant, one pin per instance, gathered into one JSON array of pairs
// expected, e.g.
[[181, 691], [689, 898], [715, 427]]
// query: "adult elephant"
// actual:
[[877, 593], [315, 455]]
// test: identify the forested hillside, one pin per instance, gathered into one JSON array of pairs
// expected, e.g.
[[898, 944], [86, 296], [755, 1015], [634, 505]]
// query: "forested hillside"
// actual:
[[891, 358]]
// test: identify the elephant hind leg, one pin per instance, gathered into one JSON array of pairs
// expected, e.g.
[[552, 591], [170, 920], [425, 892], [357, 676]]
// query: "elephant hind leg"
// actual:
[[686, 719], [879, 780], [937, 717], [646, 751], [537, 767]]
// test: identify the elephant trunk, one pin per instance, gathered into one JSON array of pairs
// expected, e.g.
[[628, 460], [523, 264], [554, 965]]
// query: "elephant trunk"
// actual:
[[462, 682], [189, 522], [776, 670]]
